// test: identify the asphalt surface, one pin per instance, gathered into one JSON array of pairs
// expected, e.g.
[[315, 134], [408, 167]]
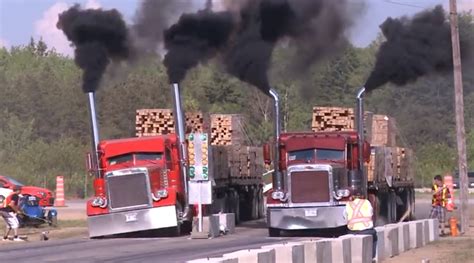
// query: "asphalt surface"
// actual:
[[176, 249], [153, 249]]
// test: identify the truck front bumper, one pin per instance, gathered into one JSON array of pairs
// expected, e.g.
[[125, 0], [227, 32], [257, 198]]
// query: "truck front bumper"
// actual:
[[306, 217], [132, 221]]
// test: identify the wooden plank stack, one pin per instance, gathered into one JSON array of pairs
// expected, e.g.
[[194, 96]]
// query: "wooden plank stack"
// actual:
[[152, 122], [391, 164], [333, 119], [383, 131], [380, 130], [240, 163], [227, 129]]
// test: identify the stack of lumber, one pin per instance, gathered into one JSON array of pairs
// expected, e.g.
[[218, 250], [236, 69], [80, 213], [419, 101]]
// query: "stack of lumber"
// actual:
[[391, 164], [380, 130], [219, 164], [383, 131], [403, 163], [237, 162], [333, 119], [151, 122], [227, 129]]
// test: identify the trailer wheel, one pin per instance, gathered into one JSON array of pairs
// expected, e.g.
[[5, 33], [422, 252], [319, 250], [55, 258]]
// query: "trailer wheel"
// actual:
[[412, 201], [392, 207], [235, 205], [255, 204], [260, 204]]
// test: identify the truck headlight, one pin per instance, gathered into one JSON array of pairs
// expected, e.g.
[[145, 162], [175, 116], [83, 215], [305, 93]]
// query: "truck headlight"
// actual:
[[279, 195], [159, 194], [343, 192], [99, 201]]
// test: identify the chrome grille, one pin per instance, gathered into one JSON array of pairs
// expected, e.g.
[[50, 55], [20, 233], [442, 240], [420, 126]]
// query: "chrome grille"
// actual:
[[128, 190], [309, 186]]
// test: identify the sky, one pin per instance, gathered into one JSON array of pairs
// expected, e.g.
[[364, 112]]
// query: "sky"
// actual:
[[22, 19]]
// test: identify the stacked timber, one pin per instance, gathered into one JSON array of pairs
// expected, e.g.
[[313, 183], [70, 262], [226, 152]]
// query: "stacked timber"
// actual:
[[237, 162], [387, 161], [391, 164], [383, 131], [152, 122], [333, 119], [380, 130], [227, 129]]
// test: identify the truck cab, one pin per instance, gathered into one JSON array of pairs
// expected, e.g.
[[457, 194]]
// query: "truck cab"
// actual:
[[138, 188], [320, 173]]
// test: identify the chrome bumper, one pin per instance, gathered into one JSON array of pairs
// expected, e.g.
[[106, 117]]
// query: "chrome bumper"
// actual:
[[306, 217], [131, 221]]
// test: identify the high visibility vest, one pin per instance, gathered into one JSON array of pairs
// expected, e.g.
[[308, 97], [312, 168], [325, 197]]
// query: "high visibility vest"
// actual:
[[443, 196], [359, 214]]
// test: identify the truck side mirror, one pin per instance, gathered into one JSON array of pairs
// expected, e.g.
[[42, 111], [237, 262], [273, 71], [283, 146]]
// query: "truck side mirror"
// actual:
[[267, 157], [367, 151]]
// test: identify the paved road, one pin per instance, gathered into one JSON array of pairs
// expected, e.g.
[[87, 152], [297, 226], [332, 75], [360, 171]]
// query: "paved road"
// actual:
[[177, 249]]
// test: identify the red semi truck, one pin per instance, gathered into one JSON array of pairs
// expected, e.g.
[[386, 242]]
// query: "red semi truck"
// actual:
[[142, 183], [315, 173]]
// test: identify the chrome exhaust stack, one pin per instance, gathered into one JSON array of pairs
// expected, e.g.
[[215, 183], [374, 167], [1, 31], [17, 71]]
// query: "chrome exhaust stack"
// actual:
[[95, 133], [277, 177], [180, 130], [361, 182]]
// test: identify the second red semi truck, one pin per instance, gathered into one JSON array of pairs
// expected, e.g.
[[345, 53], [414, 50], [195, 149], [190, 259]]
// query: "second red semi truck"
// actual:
[[315, 174]]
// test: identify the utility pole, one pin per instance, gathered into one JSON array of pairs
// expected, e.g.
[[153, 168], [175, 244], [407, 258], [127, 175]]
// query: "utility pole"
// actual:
[[459, 111]]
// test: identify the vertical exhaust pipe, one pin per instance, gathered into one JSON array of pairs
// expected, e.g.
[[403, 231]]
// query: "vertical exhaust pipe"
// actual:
[[179, 128], [277, 178], [361, 141], [95, 132]]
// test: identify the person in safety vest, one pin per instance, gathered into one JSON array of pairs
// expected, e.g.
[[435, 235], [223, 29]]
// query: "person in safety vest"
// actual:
[[359, 213], [8, 210], [441, 195]]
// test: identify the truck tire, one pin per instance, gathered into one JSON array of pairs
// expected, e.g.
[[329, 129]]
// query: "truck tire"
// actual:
[[261, 204], [392, 207], [274, 232], [255, 204], [412, 201], [177, 230], [235, 205]]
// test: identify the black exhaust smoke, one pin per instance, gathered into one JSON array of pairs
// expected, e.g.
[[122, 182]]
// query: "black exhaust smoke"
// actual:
[[99, 37], [194, 39], [414, 47], [246, 34]]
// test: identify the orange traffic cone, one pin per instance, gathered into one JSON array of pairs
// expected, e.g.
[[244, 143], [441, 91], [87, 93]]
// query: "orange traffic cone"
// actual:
[[453, 225]]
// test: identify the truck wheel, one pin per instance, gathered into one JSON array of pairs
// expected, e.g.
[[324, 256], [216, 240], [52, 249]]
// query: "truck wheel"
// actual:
[[237, 209], [255, 204], [274, 232], [260, 204], [176, 231], [392, 207], [412, 201]]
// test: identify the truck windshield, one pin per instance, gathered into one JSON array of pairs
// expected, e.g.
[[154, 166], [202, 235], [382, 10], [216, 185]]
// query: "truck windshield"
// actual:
[[329, 154], [301, 155], [138, 157]]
